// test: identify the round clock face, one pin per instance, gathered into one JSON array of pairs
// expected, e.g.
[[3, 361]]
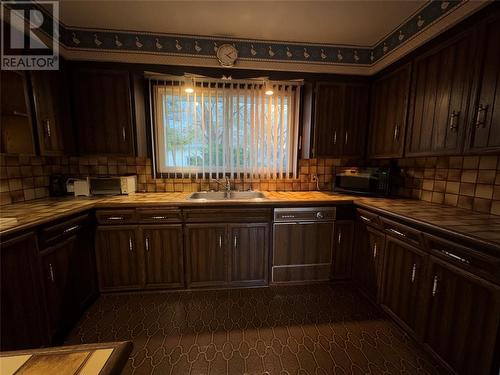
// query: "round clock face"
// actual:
[[227, 54]]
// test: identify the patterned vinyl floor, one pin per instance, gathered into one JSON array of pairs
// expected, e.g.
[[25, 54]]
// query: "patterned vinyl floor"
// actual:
[[286, 330]]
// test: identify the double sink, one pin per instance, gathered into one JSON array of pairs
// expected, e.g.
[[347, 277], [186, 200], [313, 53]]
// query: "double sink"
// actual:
[[226, 195]]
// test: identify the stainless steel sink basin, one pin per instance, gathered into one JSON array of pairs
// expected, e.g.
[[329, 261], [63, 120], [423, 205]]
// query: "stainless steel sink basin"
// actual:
[[221, 195]]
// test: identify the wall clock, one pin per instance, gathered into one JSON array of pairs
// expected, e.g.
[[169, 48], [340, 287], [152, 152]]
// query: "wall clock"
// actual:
[[227, 54]]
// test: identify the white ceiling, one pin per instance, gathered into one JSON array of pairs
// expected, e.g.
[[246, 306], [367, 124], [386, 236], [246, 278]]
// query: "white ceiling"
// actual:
[[357, 23]]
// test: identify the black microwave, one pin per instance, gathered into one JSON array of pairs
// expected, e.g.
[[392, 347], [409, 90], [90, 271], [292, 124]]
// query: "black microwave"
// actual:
[[362, 180]]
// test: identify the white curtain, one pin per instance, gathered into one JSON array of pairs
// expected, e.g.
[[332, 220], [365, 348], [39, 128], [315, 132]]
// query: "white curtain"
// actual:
[[226, 128]]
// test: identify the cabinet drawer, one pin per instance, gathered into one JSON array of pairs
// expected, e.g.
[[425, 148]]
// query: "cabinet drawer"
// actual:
[[227, 215], [50, 235], [369, 218], [472, 260], [152, 215], [402, 232], [304, 214], [115, 216]]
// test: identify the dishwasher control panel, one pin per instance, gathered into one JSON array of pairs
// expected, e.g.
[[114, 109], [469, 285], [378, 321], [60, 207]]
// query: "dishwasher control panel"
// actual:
[[296, 214]]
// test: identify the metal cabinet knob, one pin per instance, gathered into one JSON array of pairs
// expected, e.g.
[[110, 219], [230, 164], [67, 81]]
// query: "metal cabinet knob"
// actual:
[[320, 215]]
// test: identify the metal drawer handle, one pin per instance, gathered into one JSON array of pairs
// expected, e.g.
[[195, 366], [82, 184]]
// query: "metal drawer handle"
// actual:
[[346, 137], [159, 217], [235, 241], [451, 255], [435, 286], [375, 250], [365, 218], [287, 216], [335, 137], [130, 245], [397, 232], [339, 240], [481, 115], [220, 241], [147, 243], [454, 120], [115, 218], [396, 133], [413, 272], [47, 127], [71, 229], [51, 272], [123, 133]]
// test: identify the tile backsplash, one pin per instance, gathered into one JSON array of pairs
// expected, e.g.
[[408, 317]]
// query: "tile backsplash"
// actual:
[[471, 182], [23, 177]]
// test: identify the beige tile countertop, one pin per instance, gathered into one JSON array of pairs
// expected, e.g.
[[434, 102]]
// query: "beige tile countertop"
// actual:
[[473, 225]]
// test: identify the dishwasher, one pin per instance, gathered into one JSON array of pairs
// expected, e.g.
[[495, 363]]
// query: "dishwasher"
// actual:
[[303, 240]]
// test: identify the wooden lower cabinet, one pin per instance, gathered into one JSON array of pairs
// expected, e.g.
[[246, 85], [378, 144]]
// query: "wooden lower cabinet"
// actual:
[[226, 254], [22, 318], [463, 315], [206, 254], [342, 250], [403, 278], [57, 280], [117, 257], [367, 259], [163, 256], [249, 253]]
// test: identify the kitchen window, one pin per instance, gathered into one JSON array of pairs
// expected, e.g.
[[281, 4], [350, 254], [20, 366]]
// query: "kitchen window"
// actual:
[[210, 128]]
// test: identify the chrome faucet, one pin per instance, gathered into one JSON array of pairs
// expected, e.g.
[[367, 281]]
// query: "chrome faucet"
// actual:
[[227, 186]]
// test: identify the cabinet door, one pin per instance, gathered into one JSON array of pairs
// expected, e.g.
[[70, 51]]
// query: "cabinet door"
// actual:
[[117, 257], [403, 279], [58, 286], [367, 260], [23, 323], [163, 256], [388, 114], [342, 252], [463, 313], [249, 253], [103, 112], [355, 120], [16, 129], [83, 267], [441, 87], [329, 119], [206, 254], [50, 96], [485, 127]]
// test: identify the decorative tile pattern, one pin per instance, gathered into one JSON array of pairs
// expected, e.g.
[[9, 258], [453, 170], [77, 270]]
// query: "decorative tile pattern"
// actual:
[[199, 46], [470, 182], [287, 330], [24, 178]]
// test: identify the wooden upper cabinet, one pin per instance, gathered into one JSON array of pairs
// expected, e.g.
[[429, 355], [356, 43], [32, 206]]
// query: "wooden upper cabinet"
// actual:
[[52, 113], [103, 112], [484, 134], [441, 86], [388, 114], [341, 119], [15, 121]]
